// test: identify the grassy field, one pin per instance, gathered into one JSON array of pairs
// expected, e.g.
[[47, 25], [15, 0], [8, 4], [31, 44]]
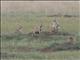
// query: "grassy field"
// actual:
[[16, 46], [29, 20]]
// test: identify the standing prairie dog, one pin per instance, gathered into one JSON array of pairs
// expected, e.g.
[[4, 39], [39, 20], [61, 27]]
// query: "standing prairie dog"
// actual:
[[37, 29], [55, 26]]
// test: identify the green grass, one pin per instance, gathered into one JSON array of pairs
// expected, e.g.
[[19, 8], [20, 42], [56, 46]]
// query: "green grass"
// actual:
[[14, 46], [9, 24], [62, 55]]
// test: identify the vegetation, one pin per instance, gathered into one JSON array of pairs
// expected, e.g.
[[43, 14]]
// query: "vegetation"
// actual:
[[22, 46]]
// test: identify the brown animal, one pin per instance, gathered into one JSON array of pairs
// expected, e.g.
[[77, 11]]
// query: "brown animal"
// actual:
[[19, 28], [37, 30], [54, 27], [71, 40]]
